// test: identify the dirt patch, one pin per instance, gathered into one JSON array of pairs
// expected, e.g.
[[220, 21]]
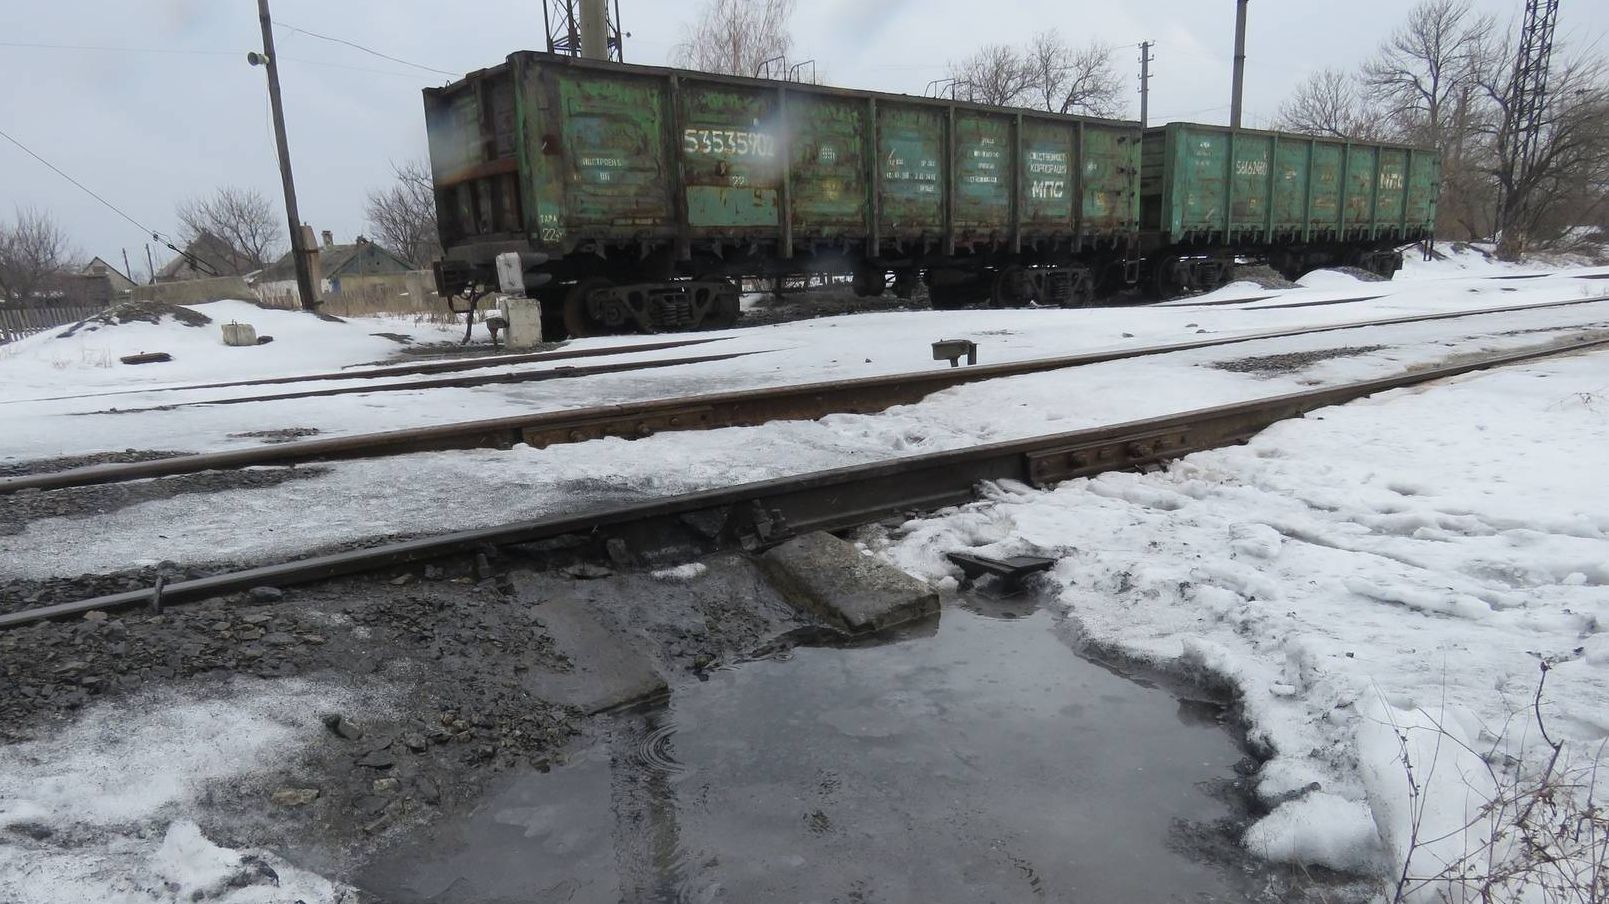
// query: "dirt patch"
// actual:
[[456, 642], [94, 501], [1359, 274], [1269, 365], [282, 435], [52, 465], [832, 301], [1263, 275], [137, 312]]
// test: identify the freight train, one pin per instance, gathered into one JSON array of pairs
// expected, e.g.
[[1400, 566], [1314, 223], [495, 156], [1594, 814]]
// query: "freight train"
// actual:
[[635, 198]]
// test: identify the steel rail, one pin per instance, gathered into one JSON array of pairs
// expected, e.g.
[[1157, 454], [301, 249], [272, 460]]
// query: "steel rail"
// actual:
[[754, 515], [637, 419], [518, 376], [397, 370]]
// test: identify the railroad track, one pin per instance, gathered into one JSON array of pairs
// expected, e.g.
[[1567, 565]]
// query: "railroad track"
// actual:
[[397, 370], [755, 515], [519, 376], [634, 420]]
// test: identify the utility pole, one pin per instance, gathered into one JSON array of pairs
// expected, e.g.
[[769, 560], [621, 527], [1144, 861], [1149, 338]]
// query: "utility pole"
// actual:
[[128, 272], [1240, 63], [150, 265], [565, 23], [1145, 82], [299, 251], [595, 29]]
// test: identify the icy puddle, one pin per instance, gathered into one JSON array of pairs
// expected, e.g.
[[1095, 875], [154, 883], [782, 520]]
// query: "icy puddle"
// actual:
[[971, 758]]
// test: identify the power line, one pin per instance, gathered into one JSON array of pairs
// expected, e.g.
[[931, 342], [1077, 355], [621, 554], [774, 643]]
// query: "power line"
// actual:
[[34, 45], [109, 205], [199, 264], [368, 50]]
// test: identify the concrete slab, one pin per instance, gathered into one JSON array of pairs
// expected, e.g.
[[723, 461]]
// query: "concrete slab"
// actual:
[[830, 577], [607, 672]]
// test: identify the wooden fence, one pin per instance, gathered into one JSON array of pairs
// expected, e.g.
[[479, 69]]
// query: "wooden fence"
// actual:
[[17, 322]]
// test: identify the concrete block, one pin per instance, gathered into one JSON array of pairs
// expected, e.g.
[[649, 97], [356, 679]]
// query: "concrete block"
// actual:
[[831, 578], [239, 334], [607, 671], [524, 322]]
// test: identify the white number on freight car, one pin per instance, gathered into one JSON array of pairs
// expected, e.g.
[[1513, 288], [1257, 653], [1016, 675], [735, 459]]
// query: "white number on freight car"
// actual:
[[728, 143]]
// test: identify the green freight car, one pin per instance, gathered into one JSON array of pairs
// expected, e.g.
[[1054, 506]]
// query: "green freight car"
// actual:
[[630, 197], [1209, 194]]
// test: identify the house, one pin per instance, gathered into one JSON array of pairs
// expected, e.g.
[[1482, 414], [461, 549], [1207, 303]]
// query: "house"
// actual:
[[205, 257], [335, 264], [118, 285], [97, 285]]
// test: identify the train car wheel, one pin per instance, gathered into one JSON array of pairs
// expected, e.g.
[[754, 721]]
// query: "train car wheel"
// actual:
[[577, 322], [1012, 288], [868, 282], [725, 309], [1083, 292]]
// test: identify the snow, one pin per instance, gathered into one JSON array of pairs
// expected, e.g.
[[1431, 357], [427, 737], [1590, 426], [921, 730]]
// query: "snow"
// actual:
[[113, 787], [420, 491], [1319, 829], [681, 573], [1377, 581], [86, 361], [35, 371]]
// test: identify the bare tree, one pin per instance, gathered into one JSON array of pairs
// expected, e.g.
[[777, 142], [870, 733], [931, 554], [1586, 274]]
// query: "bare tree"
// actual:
[[1423, 76], [736, 36], [996, 75], [33, 249], [1425, 83], [1565, 181], [402, 216], [1069, 79], [240, 222], [1329, 103]]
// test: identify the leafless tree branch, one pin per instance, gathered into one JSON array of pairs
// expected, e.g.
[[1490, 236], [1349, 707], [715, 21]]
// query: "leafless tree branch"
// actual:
[[402, 216], [736, 36], [243, 224], [32, 250]]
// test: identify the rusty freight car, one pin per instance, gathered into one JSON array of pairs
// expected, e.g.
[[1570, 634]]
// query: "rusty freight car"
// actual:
[[631, 197], [1211, 193]]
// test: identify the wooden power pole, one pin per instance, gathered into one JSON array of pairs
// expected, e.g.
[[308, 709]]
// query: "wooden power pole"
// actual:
[[305, 286], [1145, 82], [1240, 64]]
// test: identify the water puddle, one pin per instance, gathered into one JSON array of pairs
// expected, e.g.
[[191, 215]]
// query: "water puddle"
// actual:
[[972, 758]]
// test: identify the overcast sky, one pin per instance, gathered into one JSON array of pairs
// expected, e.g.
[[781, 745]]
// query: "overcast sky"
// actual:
[[166, 107]]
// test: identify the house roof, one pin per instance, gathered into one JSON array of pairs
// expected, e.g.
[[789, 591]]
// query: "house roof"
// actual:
[[211, 250], [362, 257], [120, 281]]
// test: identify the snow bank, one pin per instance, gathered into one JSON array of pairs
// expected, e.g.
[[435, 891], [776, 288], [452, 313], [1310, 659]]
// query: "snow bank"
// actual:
[[1377, 581], [826, 348], [51, 363], [100, 810]]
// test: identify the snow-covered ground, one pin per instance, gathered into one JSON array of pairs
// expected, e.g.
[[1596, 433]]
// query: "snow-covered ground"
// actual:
[[44, 367], [427, 492], [1406, 557], [1399, 562], [103, 811]]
